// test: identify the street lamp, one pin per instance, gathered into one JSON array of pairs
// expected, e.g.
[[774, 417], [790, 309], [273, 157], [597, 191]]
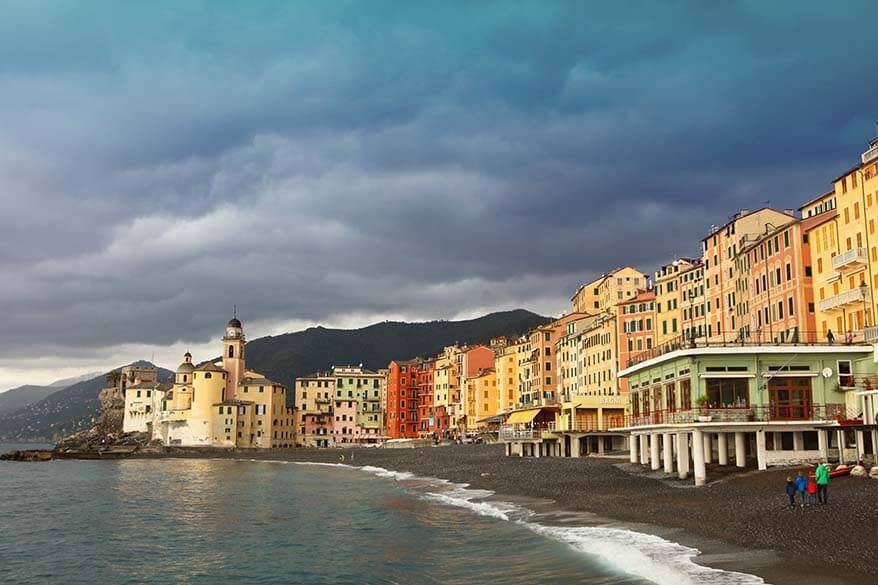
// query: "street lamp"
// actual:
[[691, 296], [864, 290]]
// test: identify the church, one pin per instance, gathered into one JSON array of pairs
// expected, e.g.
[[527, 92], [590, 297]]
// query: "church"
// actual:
[[221, 404]]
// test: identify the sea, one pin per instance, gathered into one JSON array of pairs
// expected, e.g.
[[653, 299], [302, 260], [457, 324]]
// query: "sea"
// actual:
[[249, 521]]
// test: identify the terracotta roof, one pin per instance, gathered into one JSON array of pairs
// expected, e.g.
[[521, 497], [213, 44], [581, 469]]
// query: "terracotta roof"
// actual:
[[209, 367]]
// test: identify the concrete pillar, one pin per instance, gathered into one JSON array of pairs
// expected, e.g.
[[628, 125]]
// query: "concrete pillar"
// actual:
[[839, 437], [861, 445], [574, 446], [708, 447], [508, 449], [654, 462], [798, 441], [538, 449], [668, 452], [740, 450], [698, 457], [600, 445], [875, 445], [682, 455], [762, 462], [823, 443], [632, 448], [644, 449], [722, 446]]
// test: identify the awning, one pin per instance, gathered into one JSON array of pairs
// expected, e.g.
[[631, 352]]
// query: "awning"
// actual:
[[523, 416]]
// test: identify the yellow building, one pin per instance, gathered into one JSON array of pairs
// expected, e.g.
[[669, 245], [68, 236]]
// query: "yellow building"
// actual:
[[314, 399], [603, 293], [508, 376], [844, 252], [669, 299], [483, 398], [692, 301], [225, 405]]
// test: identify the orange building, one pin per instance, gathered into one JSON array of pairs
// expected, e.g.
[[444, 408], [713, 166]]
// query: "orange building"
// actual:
[[402, 399], [776, 301], [428, 422], [721, 276], [636, 319]]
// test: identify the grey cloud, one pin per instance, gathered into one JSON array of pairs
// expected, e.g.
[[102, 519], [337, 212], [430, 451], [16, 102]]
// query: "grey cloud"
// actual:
[[309, 163]]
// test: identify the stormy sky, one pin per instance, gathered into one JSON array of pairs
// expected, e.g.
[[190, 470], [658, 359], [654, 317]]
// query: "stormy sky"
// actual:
[[348, 162]]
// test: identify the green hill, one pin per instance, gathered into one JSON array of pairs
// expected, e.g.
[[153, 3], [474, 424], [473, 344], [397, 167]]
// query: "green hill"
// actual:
[[281, 358], [60, 414], [285, 357]]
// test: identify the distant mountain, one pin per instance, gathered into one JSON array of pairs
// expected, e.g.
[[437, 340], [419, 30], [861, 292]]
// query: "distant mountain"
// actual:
[[17, 398], [286, 357], [282, 358], [61, 413]]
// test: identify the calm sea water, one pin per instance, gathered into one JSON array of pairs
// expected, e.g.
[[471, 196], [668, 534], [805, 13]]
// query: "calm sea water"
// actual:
[[212, 522]]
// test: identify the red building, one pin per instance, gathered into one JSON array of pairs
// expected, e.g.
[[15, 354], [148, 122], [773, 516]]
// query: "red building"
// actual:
[[402, 399]]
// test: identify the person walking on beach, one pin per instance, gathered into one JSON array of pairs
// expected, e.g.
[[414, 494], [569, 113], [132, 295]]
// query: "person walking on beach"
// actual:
[[812, 492], [802, 486], [822, 475], [791, 491]]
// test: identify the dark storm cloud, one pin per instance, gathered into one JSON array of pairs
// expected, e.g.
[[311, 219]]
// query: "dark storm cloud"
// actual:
[[159, 162]]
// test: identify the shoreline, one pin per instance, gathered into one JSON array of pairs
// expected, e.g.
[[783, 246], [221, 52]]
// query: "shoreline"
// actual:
[[740, 523]]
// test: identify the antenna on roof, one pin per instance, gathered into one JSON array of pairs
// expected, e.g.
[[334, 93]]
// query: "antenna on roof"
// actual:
[[235, 311]]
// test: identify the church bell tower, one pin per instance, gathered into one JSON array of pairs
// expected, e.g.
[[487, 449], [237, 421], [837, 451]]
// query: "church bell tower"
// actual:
[[233, 356]]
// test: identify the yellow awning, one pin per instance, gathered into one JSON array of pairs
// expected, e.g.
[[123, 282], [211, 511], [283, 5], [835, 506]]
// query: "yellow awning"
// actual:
[[523, 416]]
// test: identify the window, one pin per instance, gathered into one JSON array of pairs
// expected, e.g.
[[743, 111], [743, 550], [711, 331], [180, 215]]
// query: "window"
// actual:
[[685, 394], [231, 351], [728, 393], [845, 375]]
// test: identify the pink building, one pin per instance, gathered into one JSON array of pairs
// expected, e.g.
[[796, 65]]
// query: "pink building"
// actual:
[[344, 423], [776, 276]]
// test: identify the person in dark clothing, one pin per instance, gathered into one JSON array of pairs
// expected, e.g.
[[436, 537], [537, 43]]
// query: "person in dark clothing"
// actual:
[[791, 491], [830, 337]]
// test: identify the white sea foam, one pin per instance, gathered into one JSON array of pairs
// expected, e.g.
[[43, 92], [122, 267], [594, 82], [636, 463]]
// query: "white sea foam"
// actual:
[[644, 555]]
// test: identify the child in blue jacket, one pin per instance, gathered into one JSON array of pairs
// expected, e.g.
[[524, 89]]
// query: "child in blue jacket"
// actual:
[[802, 486]]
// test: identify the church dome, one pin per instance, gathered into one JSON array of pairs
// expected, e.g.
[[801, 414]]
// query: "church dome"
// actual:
[[185, 368], [234, 323]]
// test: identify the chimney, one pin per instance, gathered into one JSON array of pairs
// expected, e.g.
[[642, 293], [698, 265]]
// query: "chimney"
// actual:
[[790, 212]]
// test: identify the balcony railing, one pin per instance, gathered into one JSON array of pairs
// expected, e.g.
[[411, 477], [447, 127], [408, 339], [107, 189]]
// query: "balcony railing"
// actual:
[[870, 334], [580, 425], [841, 300], [870, 155], [515, 434], [764, 337], [853, 258], [770, 413]]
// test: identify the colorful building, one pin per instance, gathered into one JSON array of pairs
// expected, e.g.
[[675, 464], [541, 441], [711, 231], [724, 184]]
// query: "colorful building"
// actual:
[[844, 252], [402, 399], [314, 409], [224, 404], [720, 250], [774, 403]]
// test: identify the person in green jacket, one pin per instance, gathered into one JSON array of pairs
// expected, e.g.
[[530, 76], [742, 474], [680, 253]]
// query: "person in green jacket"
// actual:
[[822, 477]]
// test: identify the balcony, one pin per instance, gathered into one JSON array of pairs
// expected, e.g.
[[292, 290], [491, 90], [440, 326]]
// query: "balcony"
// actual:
[[853, 259], [870, 154], [513, 434], [843, 300], [763, 413], [870, 334]]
